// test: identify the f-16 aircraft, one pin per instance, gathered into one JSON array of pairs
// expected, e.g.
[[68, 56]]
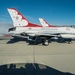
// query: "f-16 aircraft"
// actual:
[[64, 36], [25, 28], [44, 23]]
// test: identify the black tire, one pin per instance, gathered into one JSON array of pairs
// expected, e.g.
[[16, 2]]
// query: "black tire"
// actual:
[[69, 42], [46, 43]]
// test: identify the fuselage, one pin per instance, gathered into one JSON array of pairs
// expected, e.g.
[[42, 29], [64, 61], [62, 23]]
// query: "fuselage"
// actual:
[[36, 31]]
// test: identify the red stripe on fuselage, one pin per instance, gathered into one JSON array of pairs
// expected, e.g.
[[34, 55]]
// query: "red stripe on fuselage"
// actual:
[[35, 25], [32, 25]]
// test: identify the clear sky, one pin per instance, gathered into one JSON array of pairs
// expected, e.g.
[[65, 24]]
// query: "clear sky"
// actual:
[[55, 12]]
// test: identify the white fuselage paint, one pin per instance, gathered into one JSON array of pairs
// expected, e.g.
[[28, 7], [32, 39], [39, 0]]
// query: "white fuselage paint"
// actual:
[[65, 32]]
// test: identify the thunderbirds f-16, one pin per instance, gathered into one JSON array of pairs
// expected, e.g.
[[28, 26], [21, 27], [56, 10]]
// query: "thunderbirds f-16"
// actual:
[[23, 27]]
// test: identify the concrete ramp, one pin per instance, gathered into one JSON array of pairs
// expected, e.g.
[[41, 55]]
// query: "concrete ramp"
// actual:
[[60, 56]]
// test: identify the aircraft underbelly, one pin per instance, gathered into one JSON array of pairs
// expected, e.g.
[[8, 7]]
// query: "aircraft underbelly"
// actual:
[[68, 36]]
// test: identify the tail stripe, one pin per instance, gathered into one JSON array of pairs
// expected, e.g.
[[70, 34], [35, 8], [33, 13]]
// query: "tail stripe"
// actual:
[[18, 19]]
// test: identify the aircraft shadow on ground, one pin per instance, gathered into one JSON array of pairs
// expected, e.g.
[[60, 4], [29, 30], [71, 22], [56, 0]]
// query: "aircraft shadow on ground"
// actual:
[[18, 39], [30, 69], [38, 41]]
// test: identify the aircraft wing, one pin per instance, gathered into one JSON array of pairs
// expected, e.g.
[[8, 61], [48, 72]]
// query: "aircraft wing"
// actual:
[[49, 35]]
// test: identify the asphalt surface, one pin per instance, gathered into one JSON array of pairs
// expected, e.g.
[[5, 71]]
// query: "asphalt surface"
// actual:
[[60, 56]]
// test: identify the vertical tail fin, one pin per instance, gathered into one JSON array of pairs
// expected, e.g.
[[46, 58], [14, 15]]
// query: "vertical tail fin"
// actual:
[[18, 19], [44, 23]]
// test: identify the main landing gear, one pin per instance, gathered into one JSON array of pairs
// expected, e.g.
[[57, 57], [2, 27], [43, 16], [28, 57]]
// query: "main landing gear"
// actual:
[[45, 41], [69, 41]]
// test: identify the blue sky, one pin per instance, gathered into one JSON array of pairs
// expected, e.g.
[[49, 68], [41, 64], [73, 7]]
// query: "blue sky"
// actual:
[[55, 12]]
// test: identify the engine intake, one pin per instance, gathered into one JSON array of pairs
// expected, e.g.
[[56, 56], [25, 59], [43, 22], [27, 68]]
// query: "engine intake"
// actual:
[[12, 29]]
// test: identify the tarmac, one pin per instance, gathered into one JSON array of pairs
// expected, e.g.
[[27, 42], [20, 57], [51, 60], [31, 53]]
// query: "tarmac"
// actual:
[[60, 56]]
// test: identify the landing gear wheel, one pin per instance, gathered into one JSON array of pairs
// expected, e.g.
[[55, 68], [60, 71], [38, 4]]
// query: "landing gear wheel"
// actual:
[[69, 42], [45, 42]]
